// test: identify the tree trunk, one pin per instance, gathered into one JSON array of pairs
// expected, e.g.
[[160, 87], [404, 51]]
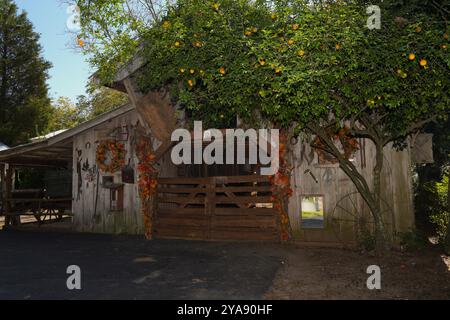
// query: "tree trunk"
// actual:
[[380, 232], [371, 195]]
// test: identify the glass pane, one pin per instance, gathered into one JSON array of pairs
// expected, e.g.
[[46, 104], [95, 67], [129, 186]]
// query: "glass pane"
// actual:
[[312, 212]]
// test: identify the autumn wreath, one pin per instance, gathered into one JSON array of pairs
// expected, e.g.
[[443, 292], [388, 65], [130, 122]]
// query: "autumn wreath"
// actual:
[[110, 156]]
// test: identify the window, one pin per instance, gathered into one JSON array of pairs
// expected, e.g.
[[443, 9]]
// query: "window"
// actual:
[[312, 212]]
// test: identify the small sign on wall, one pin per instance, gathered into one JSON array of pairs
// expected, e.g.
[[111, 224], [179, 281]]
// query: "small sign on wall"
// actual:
[[422, 148]]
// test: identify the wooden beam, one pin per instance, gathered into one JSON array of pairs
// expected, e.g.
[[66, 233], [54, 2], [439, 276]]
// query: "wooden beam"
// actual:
[[3, 185], [156, 109], [36, 162], [9, 180]]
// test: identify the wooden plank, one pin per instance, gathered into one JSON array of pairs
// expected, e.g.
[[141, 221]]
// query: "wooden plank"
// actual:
[[40, 200], [3, 186], [259, 222], [235, 199], [246, 211], [182, 200], [181, 190], [184, 181], [157, 111], [181, 223], [244, 189], [242, 179], [180, 211], [217, 199], [241, 199]]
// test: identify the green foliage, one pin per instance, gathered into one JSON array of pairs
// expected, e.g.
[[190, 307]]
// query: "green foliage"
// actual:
[[296, 63], [103, 100], [67, 114], [111, 30], [438, 210], [288, 62], [24, 104], [412, 240]]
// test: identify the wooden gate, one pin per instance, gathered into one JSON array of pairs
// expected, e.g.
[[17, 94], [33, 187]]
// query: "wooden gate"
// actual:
[[216, 208]]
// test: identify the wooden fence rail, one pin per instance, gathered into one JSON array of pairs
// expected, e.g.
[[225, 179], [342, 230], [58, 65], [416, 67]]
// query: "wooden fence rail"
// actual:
[[216, 208]]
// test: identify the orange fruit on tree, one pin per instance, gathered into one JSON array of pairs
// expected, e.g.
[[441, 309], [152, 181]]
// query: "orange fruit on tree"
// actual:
[[291, 42], [443, 46], [182, 70], [445, 35], [222, 70], [80, 43], [166, 24], [423, 62], [177, 43], [190, 83], [262, 61], [191, 71], [295, 26], [300, 53], [418, 29], [337, 46], [411, 56]]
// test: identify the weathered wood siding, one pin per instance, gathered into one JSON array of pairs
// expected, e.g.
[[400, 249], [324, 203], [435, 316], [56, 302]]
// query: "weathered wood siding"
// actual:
[[341, 197], [92, 217]]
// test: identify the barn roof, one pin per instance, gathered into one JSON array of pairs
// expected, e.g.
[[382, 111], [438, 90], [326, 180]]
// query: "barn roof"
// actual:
[[55, 149]]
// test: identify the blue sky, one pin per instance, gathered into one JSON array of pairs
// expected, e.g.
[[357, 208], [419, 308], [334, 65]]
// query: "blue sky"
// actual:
[[70, 71]]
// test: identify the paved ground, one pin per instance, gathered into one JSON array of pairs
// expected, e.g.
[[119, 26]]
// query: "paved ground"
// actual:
[[33, 266]]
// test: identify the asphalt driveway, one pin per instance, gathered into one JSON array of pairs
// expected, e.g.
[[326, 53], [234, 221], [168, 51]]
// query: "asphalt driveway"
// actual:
[[33, 266]]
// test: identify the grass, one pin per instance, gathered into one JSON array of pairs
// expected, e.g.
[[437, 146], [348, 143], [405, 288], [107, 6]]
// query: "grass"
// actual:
[[312, 214]]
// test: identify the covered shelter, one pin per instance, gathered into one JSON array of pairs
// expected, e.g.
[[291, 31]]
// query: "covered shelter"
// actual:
[[54, 155]]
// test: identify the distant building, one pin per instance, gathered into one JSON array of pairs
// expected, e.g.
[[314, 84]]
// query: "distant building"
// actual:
[[3, 146]]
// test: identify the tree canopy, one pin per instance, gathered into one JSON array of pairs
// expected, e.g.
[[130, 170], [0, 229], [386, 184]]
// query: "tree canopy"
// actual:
[[67, 114], [24, 103]]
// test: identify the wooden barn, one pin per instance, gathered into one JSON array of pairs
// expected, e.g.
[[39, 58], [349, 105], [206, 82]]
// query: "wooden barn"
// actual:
[[216, 202]]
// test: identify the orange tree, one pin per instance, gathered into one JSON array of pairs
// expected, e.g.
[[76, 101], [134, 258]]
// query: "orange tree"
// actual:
[[305, 66]]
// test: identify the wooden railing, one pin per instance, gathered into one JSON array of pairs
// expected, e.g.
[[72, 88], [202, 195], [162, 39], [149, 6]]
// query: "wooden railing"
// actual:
[[218, 208]]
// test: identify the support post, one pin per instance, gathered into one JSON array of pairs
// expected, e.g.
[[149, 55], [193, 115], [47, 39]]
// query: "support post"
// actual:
[[3, 187], [7, 194]]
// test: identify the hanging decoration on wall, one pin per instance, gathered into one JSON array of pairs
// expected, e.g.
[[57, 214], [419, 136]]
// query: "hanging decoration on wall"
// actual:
[[79, 173], [128, 173], [281, 190], [119, 133], [110, 156], [147, 182], [90, 172]]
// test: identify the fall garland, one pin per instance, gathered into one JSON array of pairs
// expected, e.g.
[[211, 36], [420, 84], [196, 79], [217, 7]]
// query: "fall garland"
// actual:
[[114, 152], [147, 182], [281, 190]]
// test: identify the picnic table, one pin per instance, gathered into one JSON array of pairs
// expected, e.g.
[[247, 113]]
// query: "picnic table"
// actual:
[[40, 208]]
